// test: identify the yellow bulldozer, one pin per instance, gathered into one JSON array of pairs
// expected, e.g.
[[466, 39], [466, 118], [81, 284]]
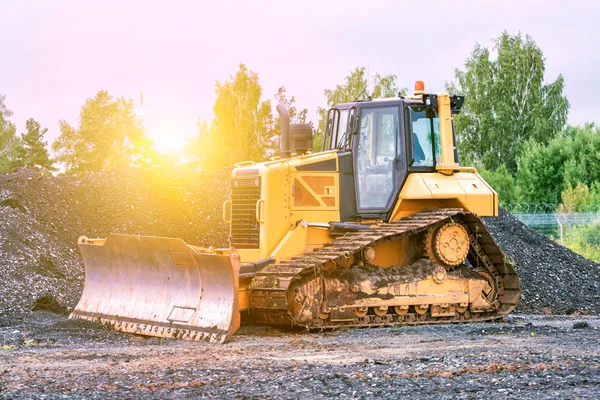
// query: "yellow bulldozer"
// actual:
[[379, 228]]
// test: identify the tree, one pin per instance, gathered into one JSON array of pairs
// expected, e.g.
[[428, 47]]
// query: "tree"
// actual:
[[8, 138], [503, 183], [569, 158], [296, 117], [243, 125], [507, 102], [576, 198], [583, 239], [32, 151], [353, 89], [385, 86], [108, 136]]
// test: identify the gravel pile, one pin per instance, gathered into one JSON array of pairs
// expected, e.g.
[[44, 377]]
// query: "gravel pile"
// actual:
[[42, 216], [553, 278]]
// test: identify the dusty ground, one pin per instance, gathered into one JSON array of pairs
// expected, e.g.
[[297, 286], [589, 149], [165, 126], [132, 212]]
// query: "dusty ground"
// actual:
[[526, 357]]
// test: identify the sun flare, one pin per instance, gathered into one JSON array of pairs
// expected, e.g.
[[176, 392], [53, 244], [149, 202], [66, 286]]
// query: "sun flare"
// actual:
[[165, 141]]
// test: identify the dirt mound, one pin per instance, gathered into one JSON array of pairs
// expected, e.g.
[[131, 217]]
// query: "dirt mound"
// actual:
[[42, 216], [553, 278]]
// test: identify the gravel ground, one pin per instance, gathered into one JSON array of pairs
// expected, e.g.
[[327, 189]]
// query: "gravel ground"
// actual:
[[526, 357]]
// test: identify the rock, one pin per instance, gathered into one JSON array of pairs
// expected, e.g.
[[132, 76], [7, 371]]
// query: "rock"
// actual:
[[581, 325], [49, 303]]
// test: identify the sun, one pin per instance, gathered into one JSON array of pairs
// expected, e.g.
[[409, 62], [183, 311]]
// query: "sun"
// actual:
[[167, 141]]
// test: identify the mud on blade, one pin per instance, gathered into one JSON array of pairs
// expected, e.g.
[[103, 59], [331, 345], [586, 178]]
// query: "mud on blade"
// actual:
[[159, 287]]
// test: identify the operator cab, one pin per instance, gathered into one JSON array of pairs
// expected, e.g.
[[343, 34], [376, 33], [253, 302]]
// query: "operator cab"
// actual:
[[380, 143]]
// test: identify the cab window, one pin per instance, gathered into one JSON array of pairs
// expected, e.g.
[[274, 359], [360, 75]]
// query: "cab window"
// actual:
[[377, 149], [337, 136], [425, 137]]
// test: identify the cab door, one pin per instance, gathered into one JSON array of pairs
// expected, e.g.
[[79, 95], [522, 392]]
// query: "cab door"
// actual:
[[380, 159]]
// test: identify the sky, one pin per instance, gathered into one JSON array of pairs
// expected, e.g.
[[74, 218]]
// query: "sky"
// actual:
[[57, 53]]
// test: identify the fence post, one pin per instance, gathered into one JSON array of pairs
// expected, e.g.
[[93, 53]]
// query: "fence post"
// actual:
[[561, 229]]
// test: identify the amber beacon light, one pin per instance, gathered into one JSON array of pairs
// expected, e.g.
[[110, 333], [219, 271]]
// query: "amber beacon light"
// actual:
[[419, 87]]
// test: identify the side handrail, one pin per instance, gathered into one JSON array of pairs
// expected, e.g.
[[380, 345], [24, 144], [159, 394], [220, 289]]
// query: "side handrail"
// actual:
[[259, 211], [225, 203]]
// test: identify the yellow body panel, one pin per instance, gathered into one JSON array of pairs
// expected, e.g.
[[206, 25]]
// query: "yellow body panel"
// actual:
[[466, 190], [289, 195]]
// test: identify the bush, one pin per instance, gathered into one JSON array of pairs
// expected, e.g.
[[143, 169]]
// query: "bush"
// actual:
[[503, 182], [584, 240]]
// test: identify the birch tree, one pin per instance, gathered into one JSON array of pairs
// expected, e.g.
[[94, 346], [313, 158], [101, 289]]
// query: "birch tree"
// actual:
[[507, 102], [354, 88]]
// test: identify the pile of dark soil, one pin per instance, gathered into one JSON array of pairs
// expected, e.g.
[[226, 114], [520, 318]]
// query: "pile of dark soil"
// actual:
[[42, 216], [553, 278]]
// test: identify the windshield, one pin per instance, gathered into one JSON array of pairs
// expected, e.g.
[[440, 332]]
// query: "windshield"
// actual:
[[426, 146]]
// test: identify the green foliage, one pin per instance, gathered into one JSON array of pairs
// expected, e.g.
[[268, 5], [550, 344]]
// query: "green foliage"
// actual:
[[503, 182], [584, 240], [385, 86], [8, 138], [507, 103], [243, 125], [354, 88], [570, 158], [541, 172], [584, 144], [296, 117], [108, 137], [574, 197], [32, 151]]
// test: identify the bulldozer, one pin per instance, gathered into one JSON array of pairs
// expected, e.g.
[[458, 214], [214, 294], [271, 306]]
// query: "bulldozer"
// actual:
[[381, 227]]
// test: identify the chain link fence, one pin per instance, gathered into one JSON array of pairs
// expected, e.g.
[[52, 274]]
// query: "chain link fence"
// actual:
[[551, 219]]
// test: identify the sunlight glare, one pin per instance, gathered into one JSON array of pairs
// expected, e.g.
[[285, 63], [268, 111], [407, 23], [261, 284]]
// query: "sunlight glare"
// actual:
[[165, 141]]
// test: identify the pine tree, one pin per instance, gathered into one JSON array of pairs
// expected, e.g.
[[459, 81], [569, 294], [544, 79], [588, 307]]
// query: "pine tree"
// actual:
[[32, 150]]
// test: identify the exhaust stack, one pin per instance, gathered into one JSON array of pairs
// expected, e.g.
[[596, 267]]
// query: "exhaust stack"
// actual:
[[285, 130]]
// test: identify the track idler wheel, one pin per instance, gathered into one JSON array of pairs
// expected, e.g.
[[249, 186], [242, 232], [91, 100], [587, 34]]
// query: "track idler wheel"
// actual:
[[447, 244]]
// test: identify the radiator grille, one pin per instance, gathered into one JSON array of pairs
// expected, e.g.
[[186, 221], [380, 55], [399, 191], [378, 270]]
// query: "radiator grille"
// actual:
[[245, 231]]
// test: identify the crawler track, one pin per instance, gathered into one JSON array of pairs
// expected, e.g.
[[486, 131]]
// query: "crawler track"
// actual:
[[272, 293]]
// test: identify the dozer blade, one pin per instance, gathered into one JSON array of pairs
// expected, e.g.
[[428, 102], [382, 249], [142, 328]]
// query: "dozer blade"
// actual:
[[159, 287]]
